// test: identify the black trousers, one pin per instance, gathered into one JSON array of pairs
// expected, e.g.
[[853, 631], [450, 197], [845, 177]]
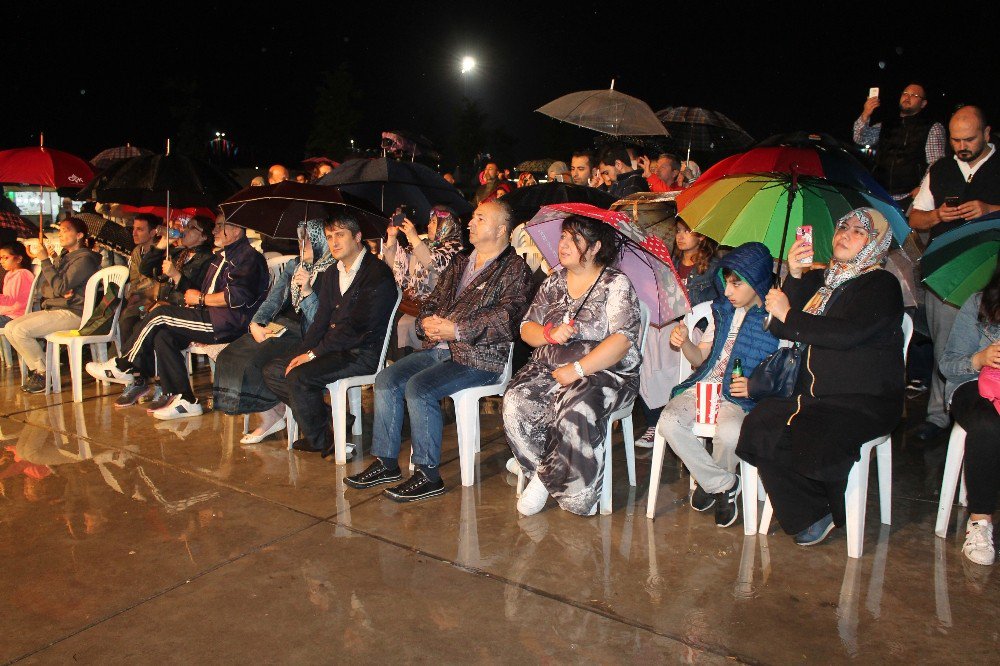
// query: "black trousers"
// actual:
[[129, 321], [165, 334], [799, 501], [302, 390], [981, 422]]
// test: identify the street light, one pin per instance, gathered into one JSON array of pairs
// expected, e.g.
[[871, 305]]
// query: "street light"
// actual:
[[468, 64]]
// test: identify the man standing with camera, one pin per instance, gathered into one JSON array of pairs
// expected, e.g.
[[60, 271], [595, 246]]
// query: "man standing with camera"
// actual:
[[906, 144], [952, 193]]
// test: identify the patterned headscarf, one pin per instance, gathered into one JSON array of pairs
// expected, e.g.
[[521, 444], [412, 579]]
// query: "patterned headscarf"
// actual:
[[871, 257], [317, 239]]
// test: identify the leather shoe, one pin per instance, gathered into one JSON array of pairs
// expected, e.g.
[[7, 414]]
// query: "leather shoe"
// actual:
[[927, 431], [304, 444]]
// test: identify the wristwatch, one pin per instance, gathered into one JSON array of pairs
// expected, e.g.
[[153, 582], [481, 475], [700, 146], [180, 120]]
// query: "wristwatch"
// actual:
[[311, 355]]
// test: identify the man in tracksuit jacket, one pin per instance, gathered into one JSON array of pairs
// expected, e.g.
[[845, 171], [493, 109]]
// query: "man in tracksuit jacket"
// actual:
[[233, 288]]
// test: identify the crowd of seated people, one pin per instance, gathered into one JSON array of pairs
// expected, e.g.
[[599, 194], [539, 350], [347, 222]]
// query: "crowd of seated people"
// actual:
[[327, 313]]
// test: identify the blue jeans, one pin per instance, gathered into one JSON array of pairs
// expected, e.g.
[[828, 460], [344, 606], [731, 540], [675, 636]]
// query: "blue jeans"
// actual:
[[4, 320], [422, 379]]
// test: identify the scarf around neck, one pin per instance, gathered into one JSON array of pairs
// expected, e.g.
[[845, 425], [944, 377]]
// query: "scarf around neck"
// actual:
[[316, 238]]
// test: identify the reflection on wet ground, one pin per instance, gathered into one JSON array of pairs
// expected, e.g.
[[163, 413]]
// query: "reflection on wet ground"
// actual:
[[124, 539]]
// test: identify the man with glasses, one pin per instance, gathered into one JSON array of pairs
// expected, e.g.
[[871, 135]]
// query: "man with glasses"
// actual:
[[219, 310], [905, 144], [954, 192]]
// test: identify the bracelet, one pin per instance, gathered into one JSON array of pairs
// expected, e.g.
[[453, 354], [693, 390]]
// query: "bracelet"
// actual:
[[548, 337], [579, 369], [201, 300]]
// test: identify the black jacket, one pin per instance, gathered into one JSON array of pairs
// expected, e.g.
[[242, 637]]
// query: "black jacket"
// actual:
[[192, 271], [358, 319], [629, 183]]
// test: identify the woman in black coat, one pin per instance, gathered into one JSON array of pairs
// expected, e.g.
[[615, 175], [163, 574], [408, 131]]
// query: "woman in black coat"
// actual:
[[850, 386]]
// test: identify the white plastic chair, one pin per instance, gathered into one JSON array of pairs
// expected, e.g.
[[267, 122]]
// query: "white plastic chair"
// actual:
[[277, 264], [348, 390], [953, 472], [5, 348], [856, 495], [625, 416], [467, 418], [117, 275], [698, 312]]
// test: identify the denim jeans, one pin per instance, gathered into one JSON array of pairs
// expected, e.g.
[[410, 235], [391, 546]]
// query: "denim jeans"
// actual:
[[421, 379]]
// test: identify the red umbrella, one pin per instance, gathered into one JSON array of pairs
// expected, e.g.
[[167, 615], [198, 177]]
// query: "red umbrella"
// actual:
[[44, 167], [175, 213]]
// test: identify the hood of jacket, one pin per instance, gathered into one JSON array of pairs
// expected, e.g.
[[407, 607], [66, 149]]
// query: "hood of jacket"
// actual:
[[753, 262]]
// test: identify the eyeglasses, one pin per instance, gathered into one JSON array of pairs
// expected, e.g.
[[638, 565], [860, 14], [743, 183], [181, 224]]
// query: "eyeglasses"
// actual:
[[857, 232], [909, 94]]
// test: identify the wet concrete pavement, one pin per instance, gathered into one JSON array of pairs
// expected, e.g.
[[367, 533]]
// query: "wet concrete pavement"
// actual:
[[126, 539]]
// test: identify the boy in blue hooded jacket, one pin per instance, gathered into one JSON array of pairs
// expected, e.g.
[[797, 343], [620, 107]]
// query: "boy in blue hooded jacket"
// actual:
[[735, 332]]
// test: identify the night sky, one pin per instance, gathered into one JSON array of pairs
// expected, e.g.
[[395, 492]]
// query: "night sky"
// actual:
[[101, 75]]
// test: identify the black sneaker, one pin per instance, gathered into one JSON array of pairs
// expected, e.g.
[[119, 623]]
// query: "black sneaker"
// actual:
[[417, 487], [27, 378], [375, 475], [35, 383], [727, 508], [700, 500], [135, 393]]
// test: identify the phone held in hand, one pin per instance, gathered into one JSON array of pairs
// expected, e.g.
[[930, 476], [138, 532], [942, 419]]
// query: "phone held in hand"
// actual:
[[951, 202], [872, 92], [805, 234]]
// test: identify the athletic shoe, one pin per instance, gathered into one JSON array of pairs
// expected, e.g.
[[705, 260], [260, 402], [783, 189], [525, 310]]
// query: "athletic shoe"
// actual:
[[700, 500], [108, 371], [979, 542], [160, 399], [35, 383], [178, 408], [375, 475], [417, 487], [646, 441], [916, 387], [27, 378], [816, 532], [135, 393], [533, 497], [727, 507]]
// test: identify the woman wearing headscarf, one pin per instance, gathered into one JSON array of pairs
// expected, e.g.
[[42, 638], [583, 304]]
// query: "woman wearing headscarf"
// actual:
[[278, 326], [417, 265], [847, 319]]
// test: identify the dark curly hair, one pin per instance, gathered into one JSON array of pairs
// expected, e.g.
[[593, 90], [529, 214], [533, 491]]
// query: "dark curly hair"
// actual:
[[989, 308], [590, 231]]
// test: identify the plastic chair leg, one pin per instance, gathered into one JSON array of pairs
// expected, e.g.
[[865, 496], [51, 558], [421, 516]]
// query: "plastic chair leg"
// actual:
[[291, 427], [354, 398], [748, 474], [606, 484], [883, 455], [75, 352], [952, 473], [246, 424], [659, 448], [338, 408], [765, 516], [855, 501], [629, 436], [467, 424]]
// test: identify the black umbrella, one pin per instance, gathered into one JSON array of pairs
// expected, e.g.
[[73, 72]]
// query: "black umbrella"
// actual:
[[108, 232], [525, 201], [388, 184], [277, 210], [695, 128], [111, 156]]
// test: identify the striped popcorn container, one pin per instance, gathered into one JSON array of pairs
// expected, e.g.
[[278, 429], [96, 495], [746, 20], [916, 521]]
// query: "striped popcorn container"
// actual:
[[707, 397]]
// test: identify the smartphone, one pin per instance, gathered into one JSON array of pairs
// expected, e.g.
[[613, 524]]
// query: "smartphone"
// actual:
[[805, 234], [951, 202], [872, 92]]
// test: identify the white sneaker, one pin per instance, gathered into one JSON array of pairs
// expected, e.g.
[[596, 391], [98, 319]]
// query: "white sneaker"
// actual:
[[646, 441], [979, 542], [533, 497], [177, 408], [108, 371], [512, 466]]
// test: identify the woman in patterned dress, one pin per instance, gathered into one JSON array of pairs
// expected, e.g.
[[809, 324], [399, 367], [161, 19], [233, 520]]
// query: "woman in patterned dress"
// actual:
[[584, 325]]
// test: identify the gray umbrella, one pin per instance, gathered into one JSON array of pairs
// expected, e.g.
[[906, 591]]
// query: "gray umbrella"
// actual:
[[607, 111]]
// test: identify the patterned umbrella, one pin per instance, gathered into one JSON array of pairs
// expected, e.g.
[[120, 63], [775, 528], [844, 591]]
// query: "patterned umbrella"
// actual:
[[18, 224], [534, 166], [701, 129], [109, 156], [645, 259]]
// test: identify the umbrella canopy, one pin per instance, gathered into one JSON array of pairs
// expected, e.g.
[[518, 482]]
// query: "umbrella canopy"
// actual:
[[961, 262], [644, 259], [147, 180], [815, 159], [277, 210], [738, 209], [175, 213], [695, 128], [43, 167], [607, 111], [108, 232], [525, 201], [19, 225], [388, 184], [535, 166], [109, 156]]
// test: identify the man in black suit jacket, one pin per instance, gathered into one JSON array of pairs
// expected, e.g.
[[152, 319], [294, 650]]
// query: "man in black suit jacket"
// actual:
[[346, 336]]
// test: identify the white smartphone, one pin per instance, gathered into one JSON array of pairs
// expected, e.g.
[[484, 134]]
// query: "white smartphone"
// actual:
[[872, 92]]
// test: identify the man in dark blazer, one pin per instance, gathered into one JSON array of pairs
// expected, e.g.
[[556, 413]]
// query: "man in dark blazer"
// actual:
[[345, 339], [468, 324]]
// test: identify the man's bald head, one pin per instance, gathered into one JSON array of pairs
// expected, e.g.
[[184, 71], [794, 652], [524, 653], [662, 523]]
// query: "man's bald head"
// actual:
[[968, 133], [277, 173]]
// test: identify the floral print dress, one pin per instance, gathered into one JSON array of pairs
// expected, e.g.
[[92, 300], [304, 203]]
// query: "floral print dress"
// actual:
[[558, 432]]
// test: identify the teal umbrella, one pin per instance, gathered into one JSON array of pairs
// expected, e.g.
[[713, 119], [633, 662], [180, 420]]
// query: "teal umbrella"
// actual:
[[960, 262]]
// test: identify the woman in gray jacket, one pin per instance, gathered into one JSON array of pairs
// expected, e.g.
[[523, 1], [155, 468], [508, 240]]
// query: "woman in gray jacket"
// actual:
[[971, 360]]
